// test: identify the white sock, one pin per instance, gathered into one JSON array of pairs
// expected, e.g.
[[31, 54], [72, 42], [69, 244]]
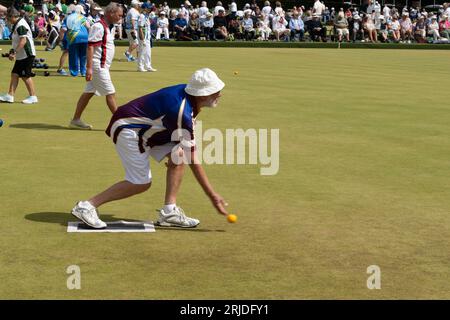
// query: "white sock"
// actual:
[[169, 207]]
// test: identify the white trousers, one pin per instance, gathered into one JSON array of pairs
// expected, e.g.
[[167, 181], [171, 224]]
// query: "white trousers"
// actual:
[[144, 59], [162, 30]]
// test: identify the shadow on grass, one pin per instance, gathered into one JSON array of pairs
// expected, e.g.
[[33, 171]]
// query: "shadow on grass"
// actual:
[[186, 229], [45, 126], [63, 219]]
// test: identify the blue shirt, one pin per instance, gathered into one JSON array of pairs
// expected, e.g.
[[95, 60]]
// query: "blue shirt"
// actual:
[[156, 116], [180, 22], [296, 24], [76, 28]]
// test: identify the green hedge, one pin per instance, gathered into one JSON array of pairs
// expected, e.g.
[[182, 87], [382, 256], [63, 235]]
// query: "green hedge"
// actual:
[[251, 44]]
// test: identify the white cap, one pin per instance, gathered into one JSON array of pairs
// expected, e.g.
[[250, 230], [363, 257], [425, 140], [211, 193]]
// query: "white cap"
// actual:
[[31, 1], [135, 3], [204, 82], [79, 9]]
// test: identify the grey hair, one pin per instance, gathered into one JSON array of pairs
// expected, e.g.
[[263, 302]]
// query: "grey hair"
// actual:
[[12, 12], [112, 7]]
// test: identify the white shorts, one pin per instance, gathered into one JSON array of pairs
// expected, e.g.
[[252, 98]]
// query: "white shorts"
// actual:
[[101, 83], [135, 163], [342, 32], [130, 38]]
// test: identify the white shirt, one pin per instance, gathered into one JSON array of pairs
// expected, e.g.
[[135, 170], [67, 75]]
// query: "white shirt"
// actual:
[[279, 23], [318, 7], [202, 11], [266, 10], [96, 33], [217, 8], [132, 15], [21, 30], [162, 23], [144, 22]]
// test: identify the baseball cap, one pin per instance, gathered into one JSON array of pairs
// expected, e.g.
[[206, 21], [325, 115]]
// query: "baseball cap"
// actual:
[[135, 3], [146, 5], [204, 82]]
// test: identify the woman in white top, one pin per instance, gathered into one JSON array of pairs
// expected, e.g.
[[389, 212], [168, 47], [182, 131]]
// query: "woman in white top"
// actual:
[[162, 26], [433, 29]]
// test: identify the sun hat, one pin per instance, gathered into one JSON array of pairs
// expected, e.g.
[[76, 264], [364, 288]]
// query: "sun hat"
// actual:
[[204, 82]]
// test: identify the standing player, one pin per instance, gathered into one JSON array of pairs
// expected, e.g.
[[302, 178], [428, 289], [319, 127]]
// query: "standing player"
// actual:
[[131, 29], [100, 54], [150, 126], [144, 61], [23, 52]]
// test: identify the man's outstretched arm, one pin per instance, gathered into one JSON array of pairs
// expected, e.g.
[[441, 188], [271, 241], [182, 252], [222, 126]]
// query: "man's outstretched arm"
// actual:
[[200, 174]]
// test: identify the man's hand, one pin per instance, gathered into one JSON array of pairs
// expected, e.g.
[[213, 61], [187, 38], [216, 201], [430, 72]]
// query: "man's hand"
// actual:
[[219, 203], [88, 74], [12, 56]]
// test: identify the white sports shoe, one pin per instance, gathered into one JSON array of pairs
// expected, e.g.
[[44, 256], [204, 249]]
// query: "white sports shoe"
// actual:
[[79, 124], [176, 218], [87, 213], [6, 98], [151, 69], [30, 100]]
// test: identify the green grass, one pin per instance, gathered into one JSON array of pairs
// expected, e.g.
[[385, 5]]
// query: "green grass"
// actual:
[[364, 180]]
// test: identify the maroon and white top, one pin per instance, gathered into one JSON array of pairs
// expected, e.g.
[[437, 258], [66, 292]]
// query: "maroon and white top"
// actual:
[[101, 37]]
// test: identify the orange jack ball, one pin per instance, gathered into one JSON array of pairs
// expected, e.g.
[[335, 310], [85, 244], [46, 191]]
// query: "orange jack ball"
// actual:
[[232, 218]]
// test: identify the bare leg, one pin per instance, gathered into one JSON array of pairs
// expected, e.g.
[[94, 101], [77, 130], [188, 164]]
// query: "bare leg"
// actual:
[[63, 59], [30, 86], [173, 181], [82, 103], [13, 84], [120, 190], [111, 102]]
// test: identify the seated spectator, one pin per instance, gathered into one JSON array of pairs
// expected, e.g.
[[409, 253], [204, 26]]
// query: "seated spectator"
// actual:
[[420, 30], [382, 31], [180, 27], [394, 28], [247, 27], [208, 26], [406, 27], [162, 25], [172, 17], [444, 27], [220, 25], [433, 29], [296, 26], [357, 28], [263, 30], [315, 29], [194, 28], [40, 25], [369, 28], [341, 25], [279, 24], [234, 28]]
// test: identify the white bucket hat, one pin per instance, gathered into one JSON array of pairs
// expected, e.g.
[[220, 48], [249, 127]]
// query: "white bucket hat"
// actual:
[[204, 82]]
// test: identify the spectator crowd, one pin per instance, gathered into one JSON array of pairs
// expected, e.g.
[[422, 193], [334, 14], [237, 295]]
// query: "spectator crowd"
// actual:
[[255, 21]]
